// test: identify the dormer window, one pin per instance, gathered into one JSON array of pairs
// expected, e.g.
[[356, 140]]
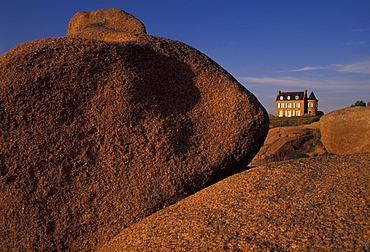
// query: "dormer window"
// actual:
[[288, 97], [281, 97], [297, 97]]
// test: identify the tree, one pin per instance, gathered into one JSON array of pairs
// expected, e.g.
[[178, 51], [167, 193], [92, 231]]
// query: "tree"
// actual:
[[359, 104]]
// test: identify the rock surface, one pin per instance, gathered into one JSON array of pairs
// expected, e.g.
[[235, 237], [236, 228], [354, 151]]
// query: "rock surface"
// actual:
[[346, 131], [105, 24], [283, 143], [97, 135], [311, 204]]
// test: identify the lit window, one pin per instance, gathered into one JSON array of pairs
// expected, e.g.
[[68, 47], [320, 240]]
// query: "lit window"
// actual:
[[282, 105], [288, 97], [278, 104], [297, 97], [281, 97], [298, 105]]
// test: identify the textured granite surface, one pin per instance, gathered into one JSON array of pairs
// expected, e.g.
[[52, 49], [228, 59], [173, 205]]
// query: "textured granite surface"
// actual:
[[311, 204]]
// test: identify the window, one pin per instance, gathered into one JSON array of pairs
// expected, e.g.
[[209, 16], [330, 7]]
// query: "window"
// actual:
[[278, 104], [293, 113], [288, 97], [294, 104], [298, 105], [281, 97], [288, 105], [297, 97], [282, 105], [298, 113], [310, 105], [281, 113]]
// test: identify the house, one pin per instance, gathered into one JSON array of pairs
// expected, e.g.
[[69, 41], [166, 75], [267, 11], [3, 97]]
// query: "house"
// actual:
[[296, 104]]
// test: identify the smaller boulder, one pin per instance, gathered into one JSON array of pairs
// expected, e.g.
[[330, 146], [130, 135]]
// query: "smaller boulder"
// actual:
[[346, 131], [106, 25], [283, 143]]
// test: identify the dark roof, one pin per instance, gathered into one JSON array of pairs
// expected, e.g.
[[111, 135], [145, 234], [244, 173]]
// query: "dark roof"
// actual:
[[312, 97], [290, 96]]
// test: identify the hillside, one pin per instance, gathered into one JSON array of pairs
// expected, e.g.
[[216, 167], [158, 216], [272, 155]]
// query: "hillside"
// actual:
[[292, 121]]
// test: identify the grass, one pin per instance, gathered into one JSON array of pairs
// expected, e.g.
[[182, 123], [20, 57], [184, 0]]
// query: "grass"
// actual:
[[292, 121]]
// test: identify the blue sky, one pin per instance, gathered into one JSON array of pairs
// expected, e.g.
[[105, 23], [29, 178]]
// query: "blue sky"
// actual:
[[268, 45]]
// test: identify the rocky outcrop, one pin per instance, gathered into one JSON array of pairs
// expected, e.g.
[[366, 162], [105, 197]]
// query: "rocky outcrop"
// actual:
[[97, 135], [283, 143], [346, 131], [311, 204], [106, 25]]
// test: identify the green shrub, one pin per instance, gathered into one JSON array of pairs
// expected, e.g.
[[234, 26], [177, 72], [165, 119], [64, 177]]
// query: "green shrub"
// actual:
[[359, 104]]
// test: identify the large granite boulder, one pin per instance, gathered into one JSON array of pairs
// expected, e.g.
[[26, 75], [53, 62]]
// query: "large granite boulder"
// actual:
[[346, 131], [311, 204], [96, 135]]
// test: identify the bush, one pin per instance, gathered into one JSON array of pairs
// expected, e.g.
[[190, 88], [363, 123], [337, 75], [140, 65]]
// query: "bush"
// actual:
[[359, 104]]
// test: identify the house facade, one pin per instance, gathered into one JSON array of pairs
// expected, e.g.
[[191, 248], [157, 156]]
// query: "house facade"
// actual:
[[290, 104]]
